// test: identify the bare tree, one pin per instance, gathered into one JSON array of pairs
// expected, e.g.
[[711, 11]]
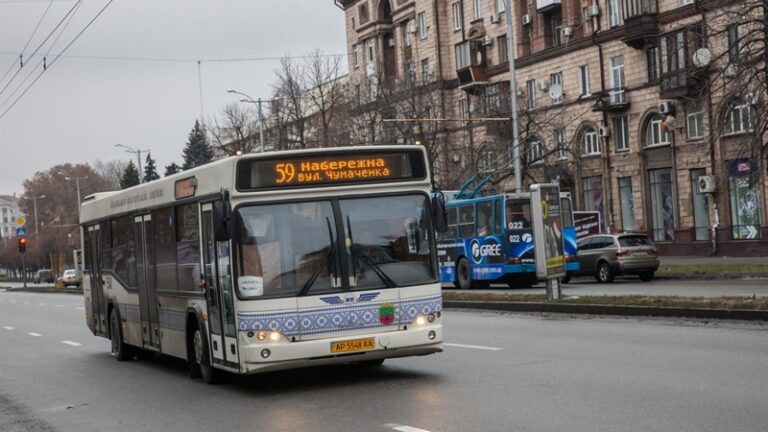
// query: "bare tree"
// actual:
[[111, 171], [291, 91], [236, 130], [326, 94]]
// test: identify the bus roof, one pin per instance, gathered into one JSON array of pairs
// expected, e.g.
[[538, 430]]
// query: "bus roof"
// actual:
[[207, 180]]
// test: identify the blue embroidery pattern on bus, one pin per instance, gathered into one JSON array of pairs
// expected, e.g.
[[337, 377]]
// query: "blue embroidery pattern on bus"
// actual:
[[337, 319]]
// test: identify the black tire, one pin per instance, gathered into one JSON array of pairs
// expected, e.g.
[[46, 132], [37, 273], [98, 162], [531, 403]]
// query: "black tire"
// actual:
[[120, 350], [604, 273], [200, 363], [463, 275], [647, 276]]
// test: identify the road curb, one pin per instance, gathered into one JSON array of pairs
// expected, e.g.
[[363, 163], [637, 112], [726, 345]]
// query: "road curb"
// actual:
[[720, 314], [45, 290]]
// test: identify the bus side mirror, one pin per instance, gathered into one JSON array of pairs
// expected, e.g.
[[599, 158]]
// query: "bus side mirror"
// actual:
[[222, 221], [438, 213]]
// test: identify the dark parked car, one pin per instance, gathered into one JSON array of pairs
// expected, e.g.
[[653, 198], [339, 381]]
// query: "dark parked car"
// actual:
[[44, 276], [607, 255]]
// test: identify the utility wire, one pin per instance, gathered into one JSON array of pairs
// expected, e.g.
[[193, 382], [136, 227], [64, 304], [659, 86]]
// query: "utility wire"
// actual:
[[57, 57], [50, 3], [42, 61], [42, 43], [182, 60]]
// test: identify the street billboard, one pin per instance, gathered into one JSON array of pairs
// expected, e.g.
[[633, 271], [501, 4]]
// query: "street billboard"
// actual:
[[587, 223], [547, 231]]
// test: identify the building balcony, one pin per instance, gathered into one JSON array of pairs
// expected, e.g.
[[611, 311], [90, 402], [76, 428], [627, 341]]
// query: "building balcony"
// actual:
[[641, 24], [472, 77], [547, 5], [682, 83], [612, 100]]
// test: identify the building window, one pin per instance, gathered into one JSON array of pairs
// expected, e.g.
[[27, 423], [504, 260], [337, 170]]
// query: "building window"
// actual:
[[744, 189], [425, 74], [694, 121], [686, 2], [462, 56], [359, 94], [656, 134], [618, 96], [652, 63], [463, 110], [408, 33], [621, 131], [593, 193], [363, 12], [557, 78], [501, 45], [422, 17], [614, 13], [584, 89], [494, 102], [560, 143], [477, 9], [530, 88], [486, 162], [501, 6], [373, 90], [732, 34], [700, 207], [739, 119], [552, 22], [662, 204], [627, 203], [456, 7], [533, 152], [356, 55], [410, 70], [590, 143], [369, 53]]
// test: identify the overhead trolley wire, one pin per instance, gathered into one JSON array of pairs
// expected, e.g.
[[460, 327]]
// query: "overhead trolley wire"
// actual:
[[57, 57], [21, 55]]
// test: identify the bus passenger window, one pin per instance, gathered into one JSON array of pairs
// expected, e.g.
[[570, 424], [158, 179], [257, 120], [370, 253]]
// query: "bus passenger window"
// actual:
[[451, 222], [518, 214], [497, 217], [466, 221], [484, 218]]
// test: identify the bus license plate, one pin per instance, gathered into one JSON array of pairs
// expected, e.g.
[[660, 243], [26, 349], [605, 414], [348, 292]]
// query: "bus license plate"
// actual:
[[352, 345]]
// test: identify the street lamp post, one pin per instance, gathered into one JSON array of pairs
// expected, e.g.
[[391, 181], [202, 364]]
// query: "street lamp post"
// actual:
[[261, 116], [138, 157], [34, 205], [77, 186]]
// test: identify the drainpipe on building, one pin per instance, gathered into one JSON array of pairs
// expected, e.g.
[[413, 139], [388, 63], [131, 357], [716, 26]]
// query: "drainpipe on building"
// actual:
[[604, 151]]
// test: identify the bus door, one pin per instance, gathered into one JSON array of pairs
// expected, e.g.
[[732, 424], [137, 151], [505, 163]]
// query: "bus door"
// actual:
[[146, 275], [218, 293], [98, 321], [519, 230]]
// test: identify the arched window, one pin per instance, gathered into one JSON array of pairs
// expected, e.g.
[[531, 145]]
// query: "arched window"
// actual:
[[385, 11], [656, 133], [590, 142]]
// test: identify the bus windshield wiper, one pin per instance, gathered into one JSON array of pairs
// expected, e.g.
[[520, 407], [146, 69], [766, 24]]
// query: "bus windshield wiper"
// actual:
[[330, 256], [379, 272]]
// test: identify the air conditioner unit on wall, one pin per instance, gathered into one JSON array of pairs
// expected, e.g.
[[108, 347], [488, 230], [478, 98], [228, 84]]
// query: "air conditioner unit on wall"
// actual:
[[495, 19], [592, 11], [605, 132], [566, 31], [487, 40], [707, 184], [527, 19], [543, 85], [412, 27], [666, 108]]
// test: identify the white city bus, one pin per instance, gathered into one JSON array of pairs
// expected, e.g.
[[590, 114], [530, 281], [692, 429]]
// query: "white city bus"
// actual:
[[273, 261]]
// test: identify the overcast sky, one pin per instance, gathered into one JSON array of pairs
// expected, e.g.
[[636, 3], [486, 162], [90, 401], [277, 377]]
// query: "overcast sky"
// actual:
[[81, 107]]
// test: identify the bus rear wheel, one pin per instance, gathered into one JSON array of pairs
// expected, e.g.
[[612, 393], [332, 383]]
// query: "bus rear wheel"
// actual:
[[120, 350], [200, 364], [463, 275]]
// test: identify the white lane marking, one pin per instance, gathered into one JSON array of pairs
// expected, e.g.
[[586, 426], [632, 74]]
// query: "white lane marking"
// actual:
[[8, 328], [26, 302], [34, 334], [404, 428], [59, 305], [487, 348], [66, 342], [41, 304]]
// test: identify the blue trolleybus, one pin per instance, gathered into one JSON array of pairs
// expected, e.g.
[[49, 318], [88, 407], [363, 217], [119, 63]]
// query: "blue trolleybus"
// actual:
[[490, 240]]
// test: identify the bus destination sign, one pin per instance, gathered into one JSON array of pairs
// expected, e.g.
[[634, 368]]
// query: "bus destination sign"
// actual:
[[335, 168]]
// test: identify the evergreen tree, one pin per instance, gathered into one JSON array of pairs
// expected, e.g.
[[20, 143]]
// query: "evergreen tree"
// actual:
[[150, 170], [197, 151], [172, 169], [130, 176]]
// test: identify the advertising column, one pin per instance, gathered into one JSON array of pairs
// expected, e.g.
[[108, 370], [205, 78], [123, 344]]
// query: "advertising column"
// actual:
[[548, 236]]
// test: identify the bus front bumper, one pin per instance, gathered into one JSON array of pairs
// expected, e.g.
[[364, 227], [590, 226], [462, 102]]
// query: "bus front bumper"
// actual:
[[291, 355]]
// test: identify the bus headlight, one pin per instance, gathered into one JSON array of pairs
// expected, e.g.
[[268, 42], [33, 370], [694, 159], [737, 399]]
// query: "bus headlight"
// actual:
[[420, 320], [267, 335], [431, 317]]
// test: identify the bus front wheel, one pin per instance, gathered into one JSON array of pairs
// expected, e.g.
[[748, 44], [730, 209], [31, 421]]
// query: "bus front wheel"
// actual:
[[201, 363], [120, 350], [463, 275]]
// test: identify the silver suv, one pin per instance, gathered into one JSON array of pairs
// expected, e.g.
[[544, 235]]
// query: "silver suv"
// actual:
[[607, 255]]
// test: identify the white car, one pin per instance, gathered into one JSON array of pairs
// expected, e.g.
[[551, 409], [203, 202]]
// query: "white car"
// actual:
[[70, 278]]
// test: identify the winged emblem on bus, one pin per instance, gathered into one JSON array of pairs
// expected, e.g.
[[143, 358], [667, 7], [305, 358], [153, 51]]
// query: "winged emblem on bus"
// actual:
[[337, 300]]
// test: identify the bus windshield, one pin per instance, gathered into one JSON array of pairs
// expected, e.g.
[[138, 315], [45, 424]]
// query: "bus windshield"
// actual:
[[292, 249]]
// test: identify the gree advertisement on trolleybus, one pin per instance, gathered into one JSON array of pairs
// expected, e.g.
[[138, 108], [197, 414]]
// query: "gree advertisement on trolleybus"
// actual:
[[266, 262]]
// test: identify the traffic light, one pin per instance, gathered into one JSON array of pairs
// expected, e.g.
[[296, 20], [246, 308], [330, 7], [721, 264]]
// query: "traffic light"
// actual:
[[22, 244]]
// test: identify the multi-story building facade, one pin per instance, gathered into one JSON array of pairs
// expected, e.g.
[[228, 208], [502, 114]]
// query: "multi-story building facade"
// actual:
[[635, 106], [9, 213]]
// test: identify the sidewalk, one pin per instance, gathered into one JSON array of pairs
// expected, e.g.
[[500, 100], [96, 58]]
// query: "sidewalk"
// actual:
[[699, 260]]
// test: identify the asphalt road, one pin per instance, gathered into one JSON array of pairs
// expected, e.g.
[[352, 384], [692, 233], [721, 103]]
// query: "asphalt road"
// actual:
[[586, 286], [501, 372]]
